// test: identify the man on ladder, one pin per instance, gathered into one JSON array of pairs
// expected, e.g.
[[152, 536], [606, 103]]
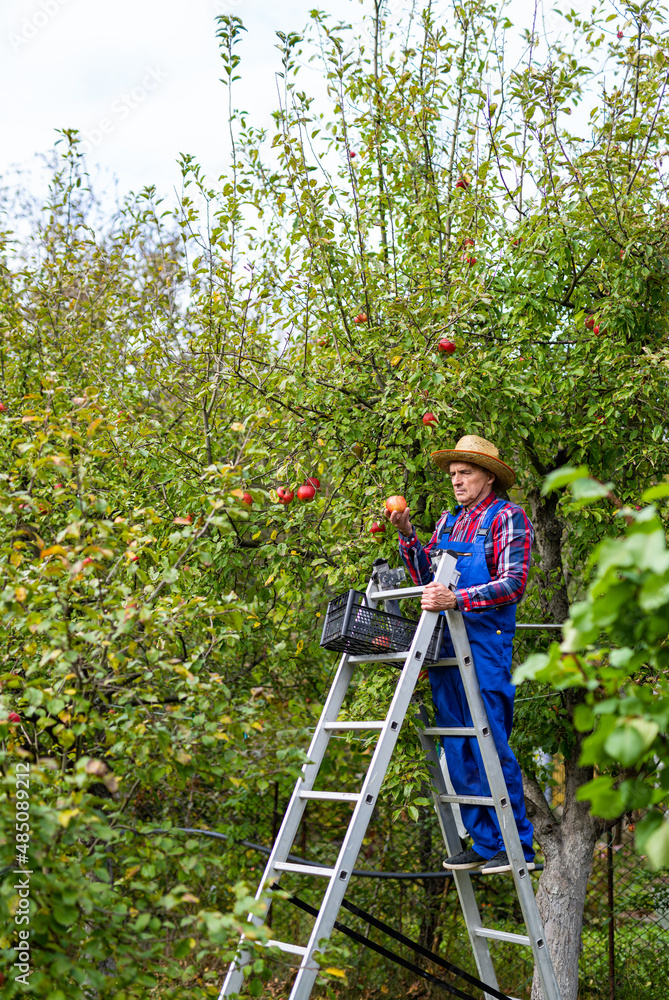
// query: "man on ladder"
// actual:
[[493, 539]]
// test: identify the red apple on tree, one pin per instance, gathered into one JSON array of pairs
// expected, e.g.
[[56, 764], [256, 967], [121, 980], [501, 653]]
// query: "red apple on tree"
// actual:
[[397, 503], [284, 496], [446, 346], [377, 529], [306, 493], [590, 322], [247, 499], [620, 34], [13, 717], [352, 155], [468, 242], [316, 483], [2, 407], [361, 318], [462, 183], [470, 260], [430, 419]]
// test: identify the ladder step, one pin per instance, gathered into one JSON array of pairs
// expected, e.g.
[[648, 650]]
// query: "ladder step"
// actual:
[[398, 594], [352, 726], [378, 657], [288, 866], [469, 800], [294, 949], [448, 662], [488, 932], [331, 796], [443, 731]]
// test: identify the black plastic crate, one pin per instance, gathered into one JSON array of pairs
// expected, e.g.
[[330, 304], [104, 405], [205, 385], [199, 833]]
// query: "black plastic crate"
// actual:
[[351, 626]]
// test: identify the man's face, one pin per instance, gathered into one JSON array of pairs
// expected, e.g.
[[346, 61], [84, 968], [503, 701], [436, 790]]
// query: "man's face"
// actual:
[[471, 483]]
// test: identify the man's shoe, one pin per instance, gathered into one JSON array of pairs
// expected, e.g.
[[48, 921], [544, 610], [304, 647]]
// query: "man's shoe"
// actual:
[[464, 861], [501, 863]]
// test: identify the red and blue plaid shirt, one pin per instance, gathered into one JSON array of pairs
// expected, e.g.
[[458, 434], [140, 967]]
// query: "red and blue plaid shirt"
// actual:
[[507, 550]]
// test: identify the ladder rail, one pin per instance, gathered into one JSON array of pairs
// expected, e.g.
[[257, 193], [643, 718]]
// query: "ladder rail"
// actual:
[[292, 818]]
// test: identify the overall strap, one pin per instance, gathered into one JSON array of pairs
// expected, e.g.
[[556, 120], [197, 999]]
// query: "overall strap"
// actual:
[[448, 524], [487, 519]]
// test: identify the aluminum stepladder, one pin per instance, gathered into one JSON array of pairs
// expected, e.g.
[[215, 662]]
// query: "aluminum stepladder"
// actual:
[[337, 877]]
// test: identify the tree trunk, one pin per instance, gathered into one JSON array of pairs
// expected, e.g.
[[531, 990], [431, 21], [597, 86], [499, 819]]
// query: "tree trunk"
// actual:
[[568, 845], [548, 530]]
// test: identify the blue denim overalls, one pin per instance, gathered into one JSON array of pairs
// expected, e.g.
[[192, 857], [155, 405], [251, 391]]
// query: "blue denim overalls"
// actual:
[[490, 636]]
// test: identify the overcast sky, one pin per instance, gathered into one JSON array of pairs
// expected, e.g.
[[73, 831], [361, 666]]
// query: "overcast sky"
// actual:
[[138, 78]]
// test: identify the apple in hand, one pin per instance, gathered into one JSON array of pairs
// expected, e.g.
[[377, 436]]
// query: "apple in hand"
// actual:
[[430, 419], [306, 493], [284, 496], [397, 503], [446, 346]]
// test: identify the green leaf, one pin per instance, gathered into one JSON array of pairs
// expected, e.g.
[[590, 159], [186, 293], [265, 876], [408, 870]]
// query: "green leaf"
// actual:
[[655, 492], [560, 478], [656, 846], [630, 740], [605, 800]]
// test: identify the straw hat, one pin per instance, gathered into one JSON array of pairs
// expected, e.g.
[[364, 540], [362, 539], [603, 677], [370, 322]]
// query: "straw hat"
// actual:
[[478, 451]]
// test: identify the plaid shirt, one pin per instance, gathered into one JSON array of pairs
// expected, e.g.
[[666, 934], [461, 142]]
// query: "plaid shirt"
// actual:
[[507, 551]]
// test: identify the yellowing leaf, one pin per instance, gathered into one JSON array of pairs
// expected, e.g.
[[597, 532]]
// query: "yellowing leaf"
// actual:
[[342, 975], [66, 815], [53, 550], [237, 427], [20, 593], [131, 871], [396, 360], [299, 647], [92, 427]]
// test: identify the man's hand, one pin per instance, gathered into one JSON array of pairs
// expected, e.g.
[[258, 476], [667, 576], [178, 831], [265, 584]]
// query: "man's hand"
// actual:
[[401, 521], [436, 597]]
